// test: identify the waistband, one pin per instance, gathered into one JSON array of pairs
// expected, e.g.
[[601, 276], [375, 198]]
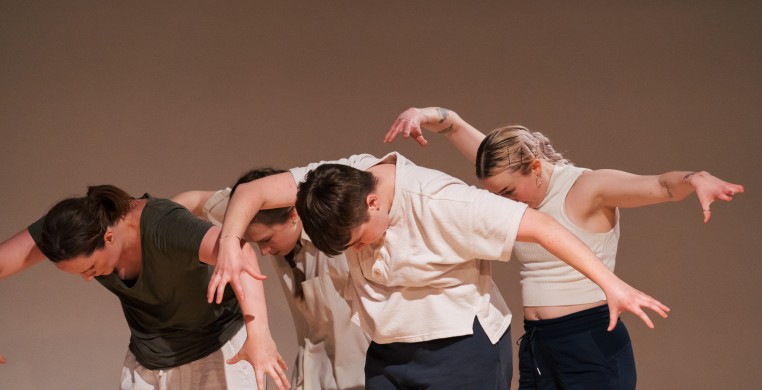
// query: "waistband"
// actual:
[[569, 324]]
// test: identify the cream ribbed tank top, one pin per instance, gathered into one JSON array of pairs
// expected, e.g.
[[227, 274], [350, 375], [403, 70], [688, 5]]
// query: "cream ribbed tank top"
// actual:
[[548, 281]]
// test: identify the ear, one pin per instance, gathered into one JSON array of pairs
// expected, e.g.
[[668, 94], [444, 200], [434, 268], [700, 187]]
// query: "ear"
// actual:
[[372, 201], [536, 166], [108, 237]]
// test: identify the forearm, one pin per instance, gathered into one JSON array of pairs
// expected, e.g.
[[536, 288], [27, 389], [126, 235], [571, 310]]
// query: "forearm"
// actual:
[[542, 229], [259, 349], [538, 227], [677, 185], [265, 193], [242, 207], [622, 189], [254, 307], [460, 133]]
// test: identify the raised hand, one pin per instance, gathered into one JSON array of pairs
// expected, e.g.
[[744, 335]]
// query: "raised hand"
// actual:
[[412, 122], [709, 189]]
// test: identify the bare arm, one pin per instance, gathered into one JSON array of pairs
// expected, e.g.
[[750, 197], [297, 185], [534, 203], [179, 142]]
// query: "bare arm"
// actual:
[[268, 192], [18, 253], [439, 120], [193, 200], [594, 190], [540, 228], [259, 349], [612, 188]]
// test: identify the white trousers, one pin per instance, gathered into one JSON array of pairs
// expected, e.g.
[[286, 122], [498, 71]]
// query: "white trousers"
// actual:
[[208, 373]]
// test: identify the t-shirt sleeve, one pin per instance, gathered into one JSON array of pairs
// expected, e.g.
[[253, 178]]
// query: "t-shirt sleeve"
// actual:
[[359, 161], [35, 230], [490, 224], [173, 229], [496, 226]]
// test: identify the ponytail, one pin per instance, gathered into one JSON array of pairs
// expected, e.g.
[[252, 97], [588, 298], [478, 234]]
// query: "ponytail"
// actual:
[[75, 226]]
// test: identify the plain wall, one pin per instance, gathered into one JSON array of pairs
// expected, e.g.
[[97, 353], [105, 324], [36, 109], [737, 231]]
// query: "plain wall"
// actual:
[[163, 97]]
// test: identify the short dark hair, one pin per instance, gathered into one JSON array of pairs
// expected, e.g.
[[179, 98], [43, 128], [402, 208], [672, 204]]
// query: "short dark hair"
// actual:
[[75, 226], [331, 202]]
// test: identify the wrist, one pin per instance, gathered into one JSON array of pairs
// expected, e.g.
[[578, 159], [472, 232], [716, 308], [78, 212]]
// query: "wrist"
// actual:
[[447, 123], [691, 177], [256, 325]]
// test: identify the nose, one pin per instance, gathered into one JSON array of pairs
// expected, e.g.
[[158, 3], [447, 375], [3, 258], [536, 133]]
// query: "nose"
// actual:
[[265, 249]]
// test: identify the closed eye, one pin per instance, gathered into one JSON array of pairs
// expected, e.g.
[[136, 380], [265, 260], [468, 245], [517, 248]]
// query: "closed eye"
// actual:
[[506, 192]]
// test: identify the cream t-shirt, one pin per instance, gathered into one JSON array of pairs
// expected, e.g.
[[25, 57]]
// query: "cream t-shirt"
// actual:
[[431, 275]]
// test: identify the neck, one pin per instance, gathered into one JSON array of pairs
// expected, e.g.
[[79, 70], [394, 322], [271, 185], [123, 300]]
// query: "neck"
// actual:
[[128, 231], [547, 173], [385, 174]]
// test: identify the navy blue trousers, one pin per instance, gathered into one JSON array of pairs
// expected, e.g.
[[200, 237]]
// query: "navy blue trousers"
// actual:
[[576, 352], [464, 362]]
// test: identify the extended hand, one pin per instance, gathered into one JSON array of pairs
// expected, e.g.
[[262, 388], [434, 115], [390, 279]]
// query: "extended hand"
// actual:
[[710, 188], [413, 121], [232, 261], [260, 351], [623, 298]]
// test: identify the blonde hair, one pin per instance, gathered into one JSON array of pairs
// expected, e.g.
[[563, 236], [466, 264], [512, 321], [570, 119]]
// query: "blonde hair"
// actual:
[[513, 148]]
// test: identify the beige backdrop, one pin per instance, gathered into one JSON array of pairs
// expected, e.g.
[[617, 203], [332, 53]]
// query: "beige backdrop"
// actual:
[[168, 97]]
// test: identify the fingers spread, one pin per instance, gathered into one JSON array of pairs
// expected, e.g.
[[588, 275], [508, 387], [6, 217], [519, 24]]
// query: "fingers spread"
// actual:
[[213, 283], [221, 291], [643, 316], [253, 272], [260, 379]]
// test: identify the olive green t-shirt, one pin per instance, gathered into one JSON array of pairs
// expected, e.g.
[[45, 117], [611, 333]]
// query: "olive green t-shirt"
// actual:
[[170, 321]]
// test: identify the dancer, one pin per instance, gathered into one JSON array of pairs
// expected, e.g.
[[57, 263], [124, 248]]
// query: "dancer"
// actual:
[[331, 352], [419, 268], [154, 256], [565, 344]]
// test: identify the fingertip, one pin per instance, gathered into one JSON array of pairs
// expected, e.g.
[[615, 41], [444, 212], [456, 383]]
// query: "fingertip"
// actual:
[[647, 321]]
